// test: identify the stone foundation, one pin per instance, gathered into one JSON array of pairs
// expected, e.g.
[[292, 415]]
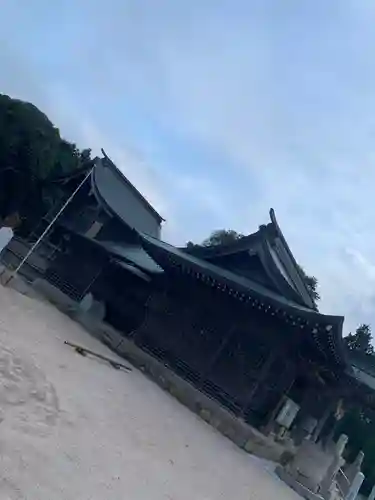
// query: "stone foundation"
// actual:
[[235, 429]]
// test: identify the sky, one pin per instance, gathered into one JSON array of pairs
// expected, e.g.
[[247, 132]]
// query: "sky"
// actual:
[[219, 110]]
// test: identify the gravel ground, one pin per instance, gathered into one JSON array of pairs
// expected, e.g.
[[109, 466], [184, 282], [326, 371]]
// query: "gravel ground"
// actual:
[[74, 428]]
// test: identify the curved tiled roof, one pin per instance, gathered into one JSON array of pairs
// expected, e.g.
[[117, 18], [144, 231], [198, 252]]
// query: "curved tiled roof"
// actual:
[[277, 259], [121, 199], [325, 331]]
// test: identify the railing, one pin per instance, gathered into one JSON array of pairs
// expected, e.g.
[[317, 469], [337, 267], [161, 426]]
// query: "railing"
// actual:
[[62, 284], [12, 255]]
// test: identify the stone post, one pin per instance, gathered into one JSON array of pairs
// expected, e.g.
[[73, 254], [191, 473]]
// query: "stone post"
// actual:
[[328, 481], [327, 441], [351, 469], [355, 486], [324, 418], [372, 494], [341, 443]]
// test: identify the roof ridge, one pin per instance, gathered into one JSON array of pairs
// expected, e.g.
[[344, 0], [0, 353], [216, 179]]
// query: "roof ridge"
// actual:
[[108, 162], [290, 253]]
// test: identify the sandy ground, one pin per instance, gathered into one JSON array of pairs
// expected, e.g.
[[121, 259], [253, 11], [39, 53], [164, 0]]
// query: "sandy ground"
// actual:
[[74, 428]]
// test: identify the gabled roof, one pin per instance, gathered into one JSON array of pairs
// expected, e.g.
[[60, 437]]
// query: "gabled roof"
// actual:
[[107, 162], [115, 193], [324, 332], [287, 257], [131, 253], [121, 199], [278, 264]]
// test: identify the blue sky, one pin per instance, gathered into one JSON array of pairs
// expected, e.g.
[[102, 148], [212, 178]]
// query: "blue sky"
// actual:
[[219, 110]]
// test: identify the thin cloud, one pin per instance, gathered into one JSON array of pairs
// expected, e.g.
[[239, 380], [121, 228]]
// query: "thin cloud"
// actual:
[[234, 107]]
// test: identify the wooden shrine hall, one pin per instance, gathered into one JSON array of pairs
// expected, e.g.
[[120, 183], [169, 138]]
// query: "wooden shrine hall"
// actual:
[[238, 322]]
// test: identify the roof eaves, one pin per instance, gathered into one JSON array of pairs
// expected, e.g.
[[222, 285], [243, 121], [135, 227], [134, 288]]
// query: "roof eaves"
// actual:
[[244, 283], [326, 330], [280, 281], [291, 256]]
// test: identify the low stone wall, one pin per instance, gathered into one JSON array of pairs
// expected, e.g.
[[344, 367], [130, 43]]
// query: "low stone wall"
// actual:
[[54, 295], [18, 283]]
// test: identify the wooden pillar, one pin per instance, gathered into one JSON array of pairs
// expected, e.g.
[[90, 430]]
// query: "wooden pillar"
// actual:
[[262, 377], [270, 423], [136, 335], [322, 421], [211, 363], [93, 279]]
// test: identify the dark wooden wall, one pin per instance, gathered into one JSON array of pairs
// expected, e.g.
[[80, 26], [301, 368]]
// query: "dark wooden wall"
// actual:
[[125, 296], [76, 267], [238, 356]]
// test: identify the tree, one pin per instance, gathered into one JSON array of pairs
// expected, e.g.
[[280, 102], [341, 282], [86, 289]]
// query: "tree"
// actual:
[[359, 422], [359, 425], [69, 157], [28, 144], [31, 151], [311, 284], [360, 341], [218, 237], [222, 237]]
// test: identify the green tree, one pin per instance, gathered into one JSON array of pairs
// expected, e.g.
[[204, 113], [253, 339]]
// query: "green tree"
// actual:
[[69, 157], [360, 341], [222, 237], [359, 423], [31, 152], [312, 285], [218, 237], [28, 146]]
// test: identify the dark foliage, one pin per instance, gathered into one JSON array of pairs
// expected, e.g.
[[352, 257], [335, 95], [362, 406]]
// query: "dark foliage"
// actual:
[[218, 237], [31, 153], [359, 423], [312, 286], [360, 341]]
